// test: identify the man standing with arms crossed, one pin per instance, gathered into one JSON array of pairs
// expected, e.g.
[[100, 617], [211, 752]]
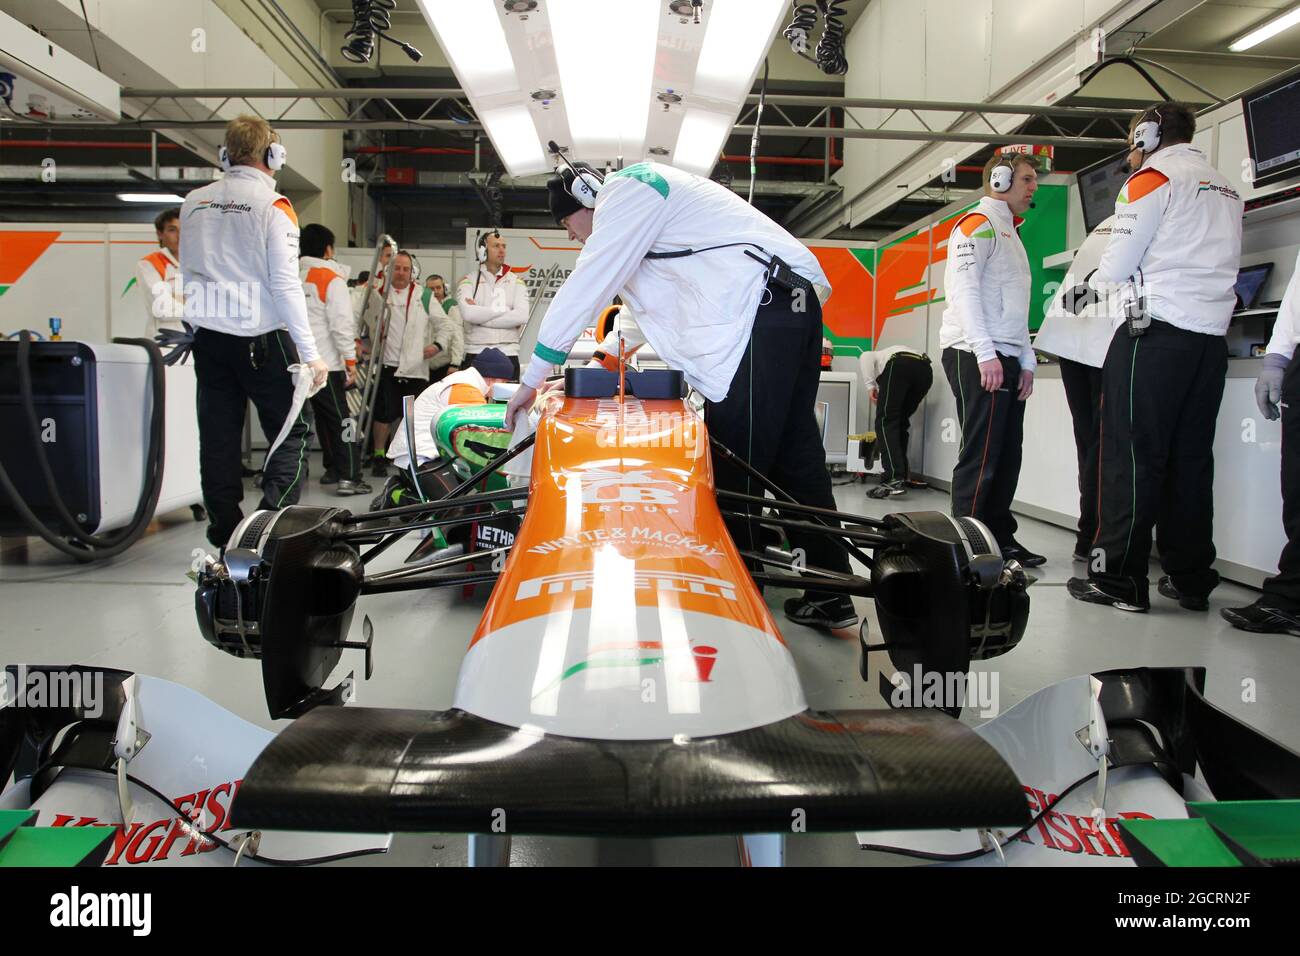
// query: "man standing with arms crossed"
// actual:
[[986, 352], [239, 253], [493, 303], [1177, 240]]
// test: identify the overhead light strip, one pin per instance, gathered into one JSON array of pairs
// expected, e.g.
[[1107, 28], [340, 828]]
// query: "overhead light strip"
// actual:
[[515, 137], [607, 83], [1269, 30], [700, 140], [473, 39], [738, 33]]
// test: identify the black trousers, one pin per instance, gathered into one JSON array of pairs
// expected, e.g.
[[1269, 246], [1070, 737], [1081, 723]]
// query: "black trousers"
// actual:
[[992, 433], [337, 429], [902, 386], [768, 418], [231, 371], [1083, 394], [1160, 400], [514, 363], [1283, 589]]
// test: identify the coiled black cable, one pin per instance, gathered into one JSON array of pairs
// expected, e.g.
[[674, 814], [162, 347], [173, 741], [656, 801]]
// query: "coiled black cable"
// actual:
[[830, 51], [830, 56], [371, 19], [799, 32]]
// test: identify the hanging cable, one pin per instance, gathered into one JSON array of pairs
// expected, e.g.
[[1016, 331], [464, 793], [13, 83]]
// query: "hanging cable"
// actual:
[[372, 19], [753, 140], [830, 56], [830, 51], [90, 33]]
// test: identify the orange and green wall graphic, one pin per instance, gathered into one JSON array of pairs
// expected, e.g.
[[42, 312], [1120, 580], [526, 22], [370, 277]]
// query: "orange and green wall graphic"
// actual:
[[18, 250], [872, 285]]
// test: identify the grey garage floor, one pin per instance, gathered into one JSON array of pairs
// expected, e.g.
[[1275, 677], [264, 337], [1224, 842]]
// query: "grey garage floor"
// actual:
[[136, 613]]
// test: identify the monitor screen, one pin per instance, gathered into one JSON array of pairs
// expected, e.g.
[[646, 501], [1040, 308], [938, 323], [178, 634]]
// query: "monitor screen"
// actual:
[[1272, 133], [1099, 184], [1250, 283]]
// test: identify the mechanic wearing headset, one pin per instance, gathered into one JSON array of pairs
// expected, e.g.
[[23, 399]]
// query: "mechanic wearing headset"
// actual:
[[1278, 393], [986, 352], [1177, 239], [329, 311], [411, 341], [240, 234], [493, 302], [746, 334], [449, 327]]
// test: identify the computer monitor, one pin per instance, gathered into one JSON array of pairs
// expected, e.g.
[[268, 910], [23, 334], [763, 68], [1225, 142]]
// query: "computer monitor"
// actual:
[[1272, 132], [1250, 283], [1099, 184]]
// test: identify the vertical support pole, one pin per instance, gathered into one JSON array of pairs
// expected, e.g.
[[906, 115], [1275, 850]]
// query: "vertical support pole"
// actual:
[[489, 849], [153, 154]]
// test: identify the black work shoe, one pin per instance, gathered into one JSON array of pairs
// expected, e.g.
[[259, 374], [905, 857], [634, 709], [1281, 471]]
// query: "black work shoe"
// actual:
[[329, 478], [379, 467], [1082, 589], [887, 489], [833, 612], [1191, 602], [915, 483], [1016, 551], [357, 487], [1262, 619]]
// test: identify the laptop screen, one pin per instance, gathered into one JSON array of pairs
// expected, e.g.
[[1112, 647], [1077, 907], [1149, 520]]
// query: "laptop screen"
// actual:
[[1250, 283]]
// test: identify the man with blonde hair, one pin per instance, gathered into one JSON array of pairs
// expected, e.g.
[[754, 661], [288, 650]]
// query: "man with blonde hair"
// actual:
[[239, 254]]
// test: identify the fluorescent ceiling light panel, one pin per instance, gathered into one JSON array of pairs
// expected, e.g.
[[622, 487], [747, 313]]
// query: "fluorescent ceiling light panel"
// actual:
[[699, 142], [160, 198], [737, 38], [515, 137], [473, 39], [607, 80], [1269, 30]]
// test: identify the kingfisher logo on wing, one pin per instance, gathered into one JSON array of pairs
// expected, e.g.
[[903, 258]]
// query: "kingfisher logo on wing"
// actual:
[[574, 582], [1072, 832]]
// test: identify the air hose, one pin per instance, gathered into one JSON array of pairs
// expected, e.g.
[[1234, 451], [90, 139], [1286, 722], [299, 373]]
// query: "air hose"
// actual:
[[76, 543]]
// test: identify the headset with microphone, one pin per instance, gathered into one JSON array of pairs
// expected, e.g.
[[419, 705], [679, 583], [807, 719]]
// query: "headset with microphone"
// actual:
[[1148, 133], [1002, 176], [480, 243], [275, 157], [586, 182]]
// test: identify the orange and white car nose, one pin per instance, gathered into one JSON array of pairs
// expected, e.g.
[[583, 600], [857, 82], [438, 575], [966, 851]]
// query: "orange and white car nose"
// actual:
[[624, 610]]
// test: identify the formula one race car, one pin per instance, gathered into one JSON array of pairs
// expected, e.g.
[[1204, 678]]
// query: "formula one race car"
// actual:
[[627, 678]]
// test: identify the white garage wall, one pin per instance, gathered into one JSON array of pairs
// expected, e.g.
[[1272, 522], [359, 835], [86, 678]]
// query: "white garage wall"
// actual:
[[961, 50]]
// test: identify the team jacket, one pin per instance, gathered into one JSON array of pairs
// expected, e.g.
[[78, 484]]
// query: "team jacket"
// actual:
[[329, 311], [448, 331], [696, 311], [987, 286], [1178, 233], [1286, 330], [499, 312], [159, 277], [239, 253], [465, 387]]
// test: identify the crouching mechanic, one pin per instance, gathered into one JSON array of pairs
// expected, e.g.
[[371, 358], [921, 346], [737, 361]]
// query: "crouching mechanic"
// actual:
[[1278, 393], [898, 379], [987, 356], [329, 312], [690, 258], [1177, 240], [471, 386], [239, 253]]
